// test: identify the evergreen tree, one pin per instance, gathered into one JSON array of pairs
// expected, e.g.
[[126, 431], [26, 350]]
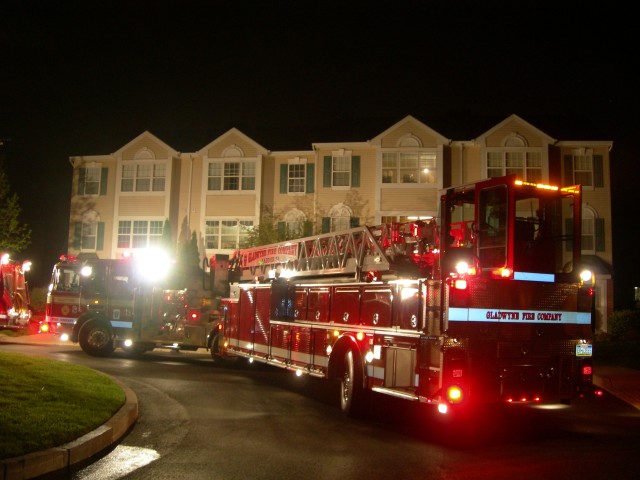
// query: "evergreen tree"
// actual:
[[167, 238], [15, 236]]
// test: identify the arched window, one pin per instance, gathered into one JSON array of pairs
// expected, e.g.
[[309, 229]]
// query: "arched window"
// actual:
[[340, 217], [588, 230], [294, 223]]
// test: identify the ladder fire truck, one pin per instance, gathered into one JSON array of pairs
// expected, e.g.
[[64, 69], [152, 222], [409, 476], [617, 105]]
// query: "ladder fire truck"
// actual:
[[484, 306], [15, 310], [127, 303]]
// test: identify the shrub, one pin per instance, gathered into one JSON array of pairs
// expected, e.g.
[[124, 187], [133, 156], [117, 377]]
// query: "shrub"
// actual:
[[38, 299], [624, 324]]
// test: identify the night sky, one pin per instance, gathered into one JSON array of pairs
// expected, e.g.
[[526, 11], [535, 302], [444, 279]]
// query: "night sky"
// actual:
[[77, 79]]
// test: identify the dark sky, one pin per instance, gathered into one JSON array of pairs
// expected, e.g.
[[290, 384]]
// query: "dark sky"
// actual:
[[78, 79]]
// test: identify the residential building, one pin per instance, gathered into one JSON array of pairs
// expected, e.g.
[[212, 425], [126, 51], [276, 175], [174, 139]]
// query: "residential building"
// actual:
[[122, 202]]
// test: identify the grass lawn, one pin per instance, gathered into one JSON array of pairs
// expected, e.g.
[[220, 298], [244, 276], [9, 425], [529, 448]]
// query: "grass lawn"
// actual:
[[45, 403]]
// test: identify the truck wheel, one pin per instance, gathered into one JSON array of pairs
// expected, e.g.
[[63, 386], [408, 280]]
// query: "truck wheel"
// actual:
[[96, 339], [219, 359], [354, 398]]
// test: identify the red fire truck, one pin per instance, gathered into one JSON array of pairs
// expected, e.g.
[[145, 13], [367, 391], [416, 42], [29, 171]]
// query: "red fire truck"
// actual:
[[125, 303], [485, 305], [15, 310]]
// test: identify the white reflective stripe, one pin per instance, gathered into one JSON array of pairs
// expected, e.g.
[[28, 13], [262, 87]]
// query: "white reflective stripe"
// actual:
[[297, 357], [518, 316], [61, 319], [118, 324], [534, 277]]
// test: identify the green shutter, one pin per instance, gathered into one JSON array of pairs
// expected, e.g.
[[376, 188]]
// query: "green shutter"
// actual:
[[282, 231], [100, 236], [311, 181], [326, 175], [307, 228], [599, 226], [568, 170], [598, 172], [77, 235], [104, 174], [81, 174], [355, 171], [354, 222], [284, 177], [326, 224]]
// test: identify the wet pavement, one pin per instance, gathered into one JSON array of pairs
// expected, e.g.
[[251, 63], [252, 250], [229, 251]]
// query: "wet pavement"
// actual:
[[623, 383]]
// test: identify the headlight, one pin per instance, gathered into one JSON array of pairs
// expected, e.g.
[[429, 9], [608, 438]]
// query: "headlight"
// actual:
[[587, 277], [462, 268]]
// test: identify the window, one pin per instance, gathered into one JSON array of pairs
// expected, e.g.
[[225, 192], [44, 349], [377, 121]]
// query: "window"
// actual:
[[226, 234], [588, 233], [92, 180], [340, 218], [293, 225], [408, 167], [231, 176], [89, 234], [296, 178], [143, 177], [584, 168], [525, 165], [341, 170], [139, 233]]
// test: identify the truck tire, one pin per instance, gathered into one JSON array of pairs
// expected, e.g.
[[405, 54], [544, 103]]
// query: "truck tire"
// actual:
[[219, 359], [354, 398], [96, 338]]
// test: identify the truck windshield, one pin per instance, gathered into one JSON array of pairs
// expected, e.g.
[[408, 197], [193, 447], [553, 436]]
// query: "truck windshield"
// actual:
[[66, 279]]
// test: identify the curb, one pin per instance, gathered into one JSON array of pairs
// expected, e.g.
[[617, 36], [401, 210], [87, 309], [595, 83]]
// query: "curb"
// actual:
[[61, 458]]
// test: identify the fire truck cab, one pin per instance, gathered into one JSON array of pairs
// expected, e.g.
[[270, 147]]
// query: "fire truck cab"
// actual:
[[15, 309]]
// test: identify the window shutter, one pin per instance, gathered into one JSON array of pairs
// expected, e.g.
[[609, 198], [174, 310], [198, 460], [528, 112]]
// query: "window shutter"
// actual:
[[568, 234], [311, 181], [100, 236], [104, 174], [326, 178], [282, 230], [568, 170], [81, 174], [77, 235], [284, 177], [598, 174], [326, 224], [355, 171], [307, 228], [354, 222], [599, 226]]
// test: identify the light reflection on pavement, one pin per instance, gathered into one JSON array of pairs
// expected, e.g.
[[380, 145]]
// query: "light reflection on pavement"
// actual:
[[120, 462]]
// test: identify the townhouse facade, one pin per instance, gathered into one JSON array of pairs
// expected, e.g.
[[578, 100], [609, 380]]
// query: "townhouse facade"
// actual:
[[123, 201]]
